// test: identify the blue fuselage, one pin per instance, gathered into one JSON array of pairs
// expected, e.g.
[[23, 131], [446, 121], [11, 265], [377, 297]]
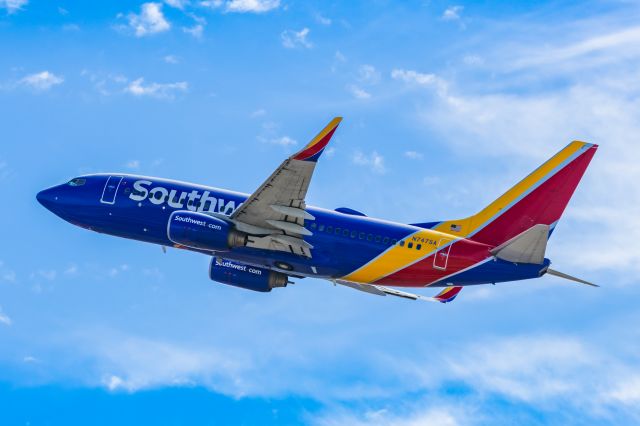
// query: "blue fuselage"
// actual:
[[139, 207]]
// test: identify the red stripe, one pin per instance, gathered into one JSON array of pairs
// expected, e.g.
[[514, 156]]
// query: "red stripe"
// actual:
[[544, 205], [317, 147], [463, 254]]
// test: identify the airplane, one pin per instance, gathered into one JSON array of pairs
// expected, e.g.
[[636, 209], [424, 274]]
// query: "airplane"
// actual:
[[261, 241]]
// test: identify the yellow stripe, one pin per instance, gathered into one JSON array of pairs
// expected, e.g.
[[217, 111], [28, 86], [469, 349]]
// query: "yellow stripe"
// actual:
[[397, 257], [468, 225], [329, 127]]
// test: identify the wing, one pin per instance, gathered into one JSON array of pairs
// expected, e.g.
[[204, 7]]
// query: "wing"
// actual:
[[445, 296], [275, 213]]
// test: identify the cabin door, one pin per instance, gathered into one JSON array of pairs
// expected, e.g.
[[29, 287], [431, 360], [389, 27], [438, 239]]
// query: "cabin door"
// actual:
[[110, 190], [442, 254]]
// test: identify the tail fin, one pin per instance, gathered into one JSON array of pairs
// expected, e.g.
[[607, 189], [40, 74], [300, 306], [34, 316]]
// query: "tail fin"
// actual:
[[540, 198]]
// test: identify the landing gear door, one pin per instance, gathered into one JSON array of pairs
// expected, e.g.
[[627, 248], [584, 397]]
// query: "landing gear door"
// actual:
[[110, 190], [442, 254]]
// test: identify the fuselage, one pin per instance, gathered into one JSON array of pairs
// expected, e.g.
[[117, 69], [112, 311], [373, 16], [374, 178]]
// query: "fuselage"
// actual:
[[346, 244]]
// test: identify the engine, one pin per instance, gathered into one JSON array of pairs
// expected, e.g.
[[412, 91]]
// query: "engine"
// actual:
[[245, 276], [203, 232]]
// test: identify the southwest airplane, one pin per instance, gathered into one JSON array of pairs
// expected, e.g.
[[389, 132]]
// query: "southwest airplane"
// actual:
[[260, 241]]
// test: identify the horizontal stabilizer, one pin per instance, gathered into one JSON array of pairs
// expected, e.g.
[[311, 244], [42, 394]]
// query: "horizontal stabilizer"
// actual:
[[569, 277], [445, 296], [448, 294], [527, 247]]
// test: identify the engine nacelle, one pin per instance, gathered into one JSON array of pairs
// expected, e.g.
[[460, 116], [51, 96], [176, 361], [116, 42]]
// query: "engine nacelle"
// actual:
[[245, 276], [203, 232]]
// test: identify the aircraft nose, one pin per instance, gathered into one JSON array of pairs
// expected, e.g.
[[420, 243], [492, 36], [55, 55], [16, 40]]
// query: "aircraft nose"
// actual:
[[47, 198]]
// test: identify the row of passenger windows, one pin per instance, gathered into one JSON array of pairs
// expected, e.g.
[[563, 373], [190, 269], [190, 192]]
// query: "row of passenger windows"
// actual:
[[361, 235]]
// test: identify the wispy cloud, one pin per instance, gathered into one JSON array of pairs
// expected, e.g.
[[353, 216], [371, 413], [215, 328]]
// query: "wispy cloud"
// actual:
[[41, 81], [292, 39], [196, 30], [418, 78], [413, 155], [368, 74], [251, 6], [283, 141], [373, 161], [156, 90], [149, 21], [171, 59], [323, 20], [452, 13], [358, 92], [13, 6], [133, 164], [4, 318], [177, 4]]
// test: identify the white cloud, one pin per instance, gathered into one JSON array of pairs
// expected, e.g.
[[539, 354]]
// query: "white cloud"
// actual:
[[71, 270], [260, 112], [133, 164], [452, 13], [432, 415], [156, 90], [358, 92], [196, 30], [594, 49], [13, 6], [150, 20], [116, 270], [251, 6], [374, 161], [4, 318], [283, 141], [41, 81], [322, 19], [368, 74], [627, 391], [418, 78], [292, 39], [131, 364], [171, 59], [178, 4], [413, 155]]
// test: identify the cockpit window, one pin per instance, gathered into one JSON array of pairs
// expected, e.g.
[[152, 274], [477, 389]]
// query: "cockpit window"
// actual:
[[77, 182]]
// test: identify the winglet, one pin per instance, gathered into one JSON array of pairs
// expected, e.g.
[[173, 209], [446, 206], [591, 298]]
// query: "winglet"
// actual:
[[314, 149], [448, 294]]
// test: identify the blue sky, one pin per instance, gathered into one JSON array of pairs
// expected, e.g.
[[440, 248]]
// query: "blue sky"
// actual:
[[446, 105]]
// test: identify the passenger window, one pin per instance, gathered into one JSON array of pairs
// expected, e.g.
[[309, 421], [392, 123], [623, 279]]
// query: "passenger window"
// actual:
[[345, 232], [338, 231], [378, 238], [127, 190], [385, 240], [321, 228], [370, 237], [329, 229], [354, 234], [402, 243], [394, 241], [410, 245], [313, 225], [419, 247], [361, 236]]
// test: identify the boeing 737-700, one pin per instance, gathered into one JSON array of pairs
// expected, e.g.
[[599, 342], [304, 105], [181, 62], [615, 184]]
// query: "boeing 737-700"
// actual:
[[261, 241]]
